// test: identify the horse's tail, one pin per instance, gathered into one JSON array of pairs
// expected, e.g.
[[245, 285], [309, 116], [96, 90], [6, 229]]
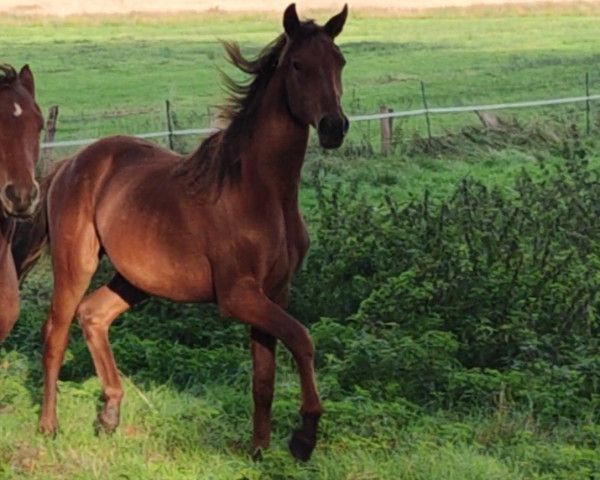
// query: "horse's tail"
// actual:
[[31, 236]]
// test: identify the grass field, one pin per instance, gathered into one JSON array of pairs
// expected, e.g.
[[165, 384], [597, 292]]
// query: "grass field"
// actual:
[[106, 65], [188, 416]]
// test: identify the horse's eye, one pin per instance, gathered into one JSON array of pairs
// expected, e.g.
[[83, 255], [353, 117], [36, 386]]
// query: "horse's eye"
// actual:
[[296, 65]]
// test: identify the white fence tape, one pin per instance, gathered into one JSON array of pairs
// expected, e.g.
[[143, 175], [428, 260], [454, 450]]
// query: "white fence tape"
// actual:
[[87, 141], [362, 118]]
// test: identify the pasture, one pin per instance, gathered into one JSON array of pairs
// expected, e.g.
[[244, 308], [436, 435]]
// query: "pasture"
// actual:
[[455, 320]]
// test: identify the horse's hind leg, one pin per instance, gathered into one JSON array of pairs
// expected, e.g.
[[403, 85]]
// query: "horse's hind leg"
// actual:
[[73, 263], [95, 314]]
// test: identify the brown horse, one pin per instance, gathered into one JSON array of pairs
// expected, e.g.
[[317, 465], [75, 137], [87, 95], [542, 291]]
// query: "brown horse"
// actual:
[[220, 225], [20, 124]]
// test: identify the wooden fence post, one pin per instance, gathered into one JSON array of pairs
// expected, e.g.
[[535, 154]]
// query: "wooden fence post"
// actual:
[[587, 103], [426, 110], [170, 124], [386, 131], [49, 133]]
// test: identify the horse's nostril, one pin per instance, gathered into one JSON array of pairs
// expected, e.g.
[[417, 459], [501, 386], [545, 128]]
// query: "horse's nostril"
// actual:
[[324, 125], [333, 125], [10, 192], [346, 124]]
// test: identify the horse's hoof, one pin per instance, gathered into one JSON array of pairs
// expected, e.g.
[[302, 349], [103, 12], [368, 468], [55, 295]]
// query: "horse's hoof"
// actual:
[[257, 454], [302, 445], [48, 430], [101, 427], [107, 421], [105, 424]]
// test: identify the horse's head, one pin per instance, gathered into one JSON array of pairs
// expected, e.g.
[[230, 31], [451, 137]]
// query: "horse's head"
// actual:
[[20, 124], [312, 65]]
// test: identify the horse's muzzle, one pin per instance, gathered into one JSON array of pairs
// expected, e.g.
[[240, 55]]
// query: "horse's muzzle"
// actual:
[[20, 201], [332, 130]]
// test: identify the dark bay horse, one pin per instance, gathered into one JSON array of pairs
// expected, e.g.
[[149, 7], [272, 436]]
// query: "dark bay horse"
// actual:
[[220, 225], [20, 124]]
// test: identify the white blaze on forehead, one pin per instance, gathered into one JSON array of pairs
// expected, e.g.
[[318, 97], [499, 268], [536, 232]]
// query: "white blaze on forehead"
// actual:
[[18, 110]]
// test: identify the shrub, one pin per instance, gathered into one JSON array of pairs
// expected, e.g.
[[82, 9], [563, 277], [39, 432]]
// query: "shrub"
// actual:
[[446, 301]]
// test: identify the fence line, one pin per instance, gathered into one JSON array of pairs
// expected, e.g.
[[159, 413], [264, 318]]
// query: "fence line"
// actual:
[[361, 118], [475, 108], [87, 141]]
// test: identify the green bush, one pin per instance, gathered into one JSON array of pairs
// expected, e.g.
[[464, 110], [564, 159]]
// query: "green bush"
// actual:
[[452, 301]]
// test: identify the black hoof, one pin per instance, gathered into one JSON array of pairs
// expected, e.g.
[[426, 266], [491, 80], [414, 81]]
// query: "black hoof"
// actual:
[[257, 454], [302, 445]]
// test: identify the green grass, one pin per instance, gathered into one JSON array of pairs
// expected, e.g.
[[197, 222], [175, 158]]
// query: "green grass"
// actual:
[[92, 67], [204, 433], [104, 71]]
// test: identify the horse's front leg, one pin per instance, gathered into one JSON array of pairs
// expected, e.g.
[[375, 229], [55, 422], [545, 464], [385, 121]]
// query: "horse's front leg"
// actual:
[[248, 303], [263, 381], [9, 295]]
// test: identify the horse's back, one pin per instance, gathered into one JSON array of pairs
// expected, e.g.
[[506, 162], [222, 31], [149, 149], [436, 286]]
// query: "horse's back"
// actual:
[[82, 179], [117, 152], [125, 190]]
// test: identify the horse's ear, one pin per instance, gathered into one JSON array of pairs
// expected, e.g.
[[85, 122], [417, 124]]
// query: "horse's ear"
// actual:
[[291, 22], [26, 79], [335, 24]]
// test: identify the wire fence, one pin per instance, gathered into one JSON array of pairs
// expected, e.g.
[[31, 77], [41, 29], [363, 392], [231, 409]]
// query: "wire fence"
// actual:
[[381, 133]]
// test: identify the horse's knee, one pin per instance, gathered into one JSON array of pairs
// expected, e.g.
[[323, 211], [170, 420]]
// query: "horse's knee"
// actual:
[[302, 345]]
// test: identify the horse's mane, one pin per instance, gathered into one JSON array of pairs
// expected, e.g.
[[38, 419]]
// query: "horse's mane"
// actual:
[[217, 159], [8, 75]]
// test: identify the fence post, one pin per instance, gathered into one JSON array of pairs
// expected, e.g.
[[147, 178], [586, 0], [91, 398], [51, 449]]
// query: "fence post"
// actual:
[[426, 110], [386, 131], [49, 133], [587, 103], [170, 124], [214, 119]]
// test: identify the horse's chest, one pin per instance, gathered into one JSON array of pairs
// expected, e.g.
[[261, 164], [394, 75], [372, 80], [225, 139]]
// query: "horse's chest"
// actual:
[[287, 254]]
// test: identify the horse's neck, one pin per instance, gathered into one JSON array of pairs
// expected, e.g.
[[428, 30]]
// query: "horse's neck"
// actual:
[[6, 232], [276, 147]]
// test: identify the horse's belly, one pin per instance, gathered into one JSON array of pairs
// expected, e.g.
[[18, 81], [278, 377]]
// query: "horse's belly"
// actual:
[[151, 262], [175, 279], [146, 232]]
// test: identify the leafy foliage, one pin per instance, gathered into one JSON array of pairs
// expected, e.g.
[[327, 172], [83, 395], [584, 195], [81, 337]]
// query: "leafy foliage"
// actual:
[[448, 302]]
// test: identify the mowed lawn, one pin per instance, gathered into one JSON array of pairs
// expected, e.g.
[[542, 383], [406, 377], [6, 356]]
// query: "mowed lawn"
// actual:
[[113, 74]]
